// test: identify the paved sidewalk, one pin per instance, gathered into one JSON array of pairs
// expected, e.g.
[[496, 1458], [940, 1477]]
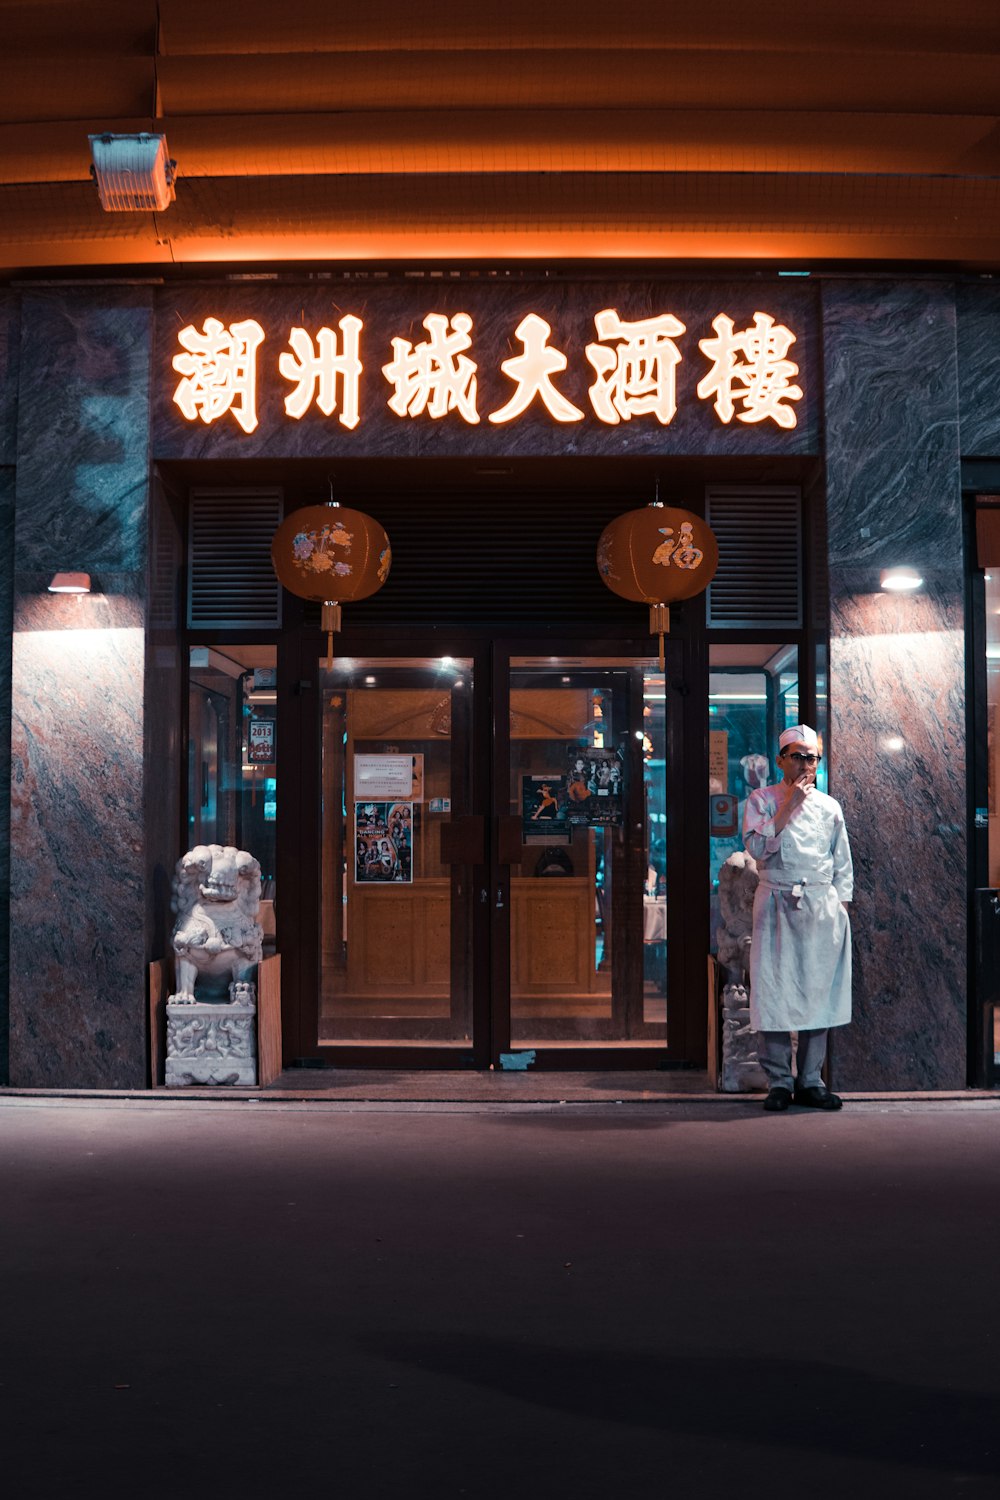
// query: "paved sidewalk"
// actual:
[[517, 1299], [655, 1085]]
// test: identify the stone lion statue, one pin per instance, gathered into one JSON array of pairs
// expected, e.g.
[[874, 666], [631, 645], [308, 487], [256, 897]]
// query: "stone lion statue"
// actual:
[[737, 888], [217, 937], [741, 1069]]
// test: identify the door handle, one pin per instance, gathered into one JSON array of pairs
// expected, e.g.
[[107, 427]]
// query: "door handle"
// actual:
[[499, 905], [463, 840], [510, 848]]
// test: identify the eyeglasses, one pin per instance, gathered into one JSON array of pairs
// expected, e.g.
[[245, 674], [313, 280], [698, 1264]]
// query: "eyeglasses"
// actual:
[[806, 760]]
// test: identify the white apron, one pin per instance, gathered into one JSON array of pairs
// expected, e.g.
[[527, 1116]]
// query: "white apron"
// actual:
[[800, 954]]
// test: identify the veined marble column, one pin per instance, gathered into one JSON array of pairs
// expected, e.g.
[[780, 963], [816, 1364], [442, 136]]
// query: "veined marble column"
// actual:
[[897, 676], [77, 947], [9, 351], [979, 369]]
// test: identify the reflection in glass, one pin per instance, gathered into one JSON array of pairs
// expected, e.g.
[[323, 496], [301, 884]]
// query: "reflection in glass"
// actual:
[[993, 750], [232, 757], [753, 695], [822, 714]]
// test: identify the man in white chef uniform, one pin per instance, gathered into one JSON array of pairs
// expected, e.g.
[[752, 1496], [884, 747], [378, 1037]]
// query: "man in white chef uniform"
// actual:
[[800, 955]]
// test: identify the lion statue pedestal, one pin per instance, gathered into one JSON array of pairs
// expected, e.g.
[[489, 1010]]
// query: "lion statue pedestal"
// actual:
[[218, 943]]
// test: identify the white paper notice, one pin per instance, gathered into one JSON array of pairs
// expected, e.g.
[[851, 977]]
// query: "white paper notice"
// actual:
[[381, 778]]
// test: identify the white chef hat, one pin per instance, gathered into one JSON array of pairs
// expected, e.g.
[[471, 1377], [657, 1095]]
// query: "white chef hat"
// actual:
[[799, 734]]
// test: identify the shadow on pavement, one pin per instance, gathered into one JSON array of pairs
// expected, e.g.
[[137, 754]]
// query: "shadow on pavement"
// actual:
[[772, 1402]]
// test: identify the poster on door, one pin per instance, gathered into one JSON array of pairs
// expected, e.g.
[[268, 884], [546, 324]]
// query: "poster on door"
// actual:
[[383, 840], [544, 810], [594, 786]]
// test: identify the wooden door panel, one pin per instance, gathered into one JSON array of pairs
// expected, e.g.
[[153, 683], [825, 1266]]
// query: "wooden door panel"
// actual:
[[553, 936], [398, 940]]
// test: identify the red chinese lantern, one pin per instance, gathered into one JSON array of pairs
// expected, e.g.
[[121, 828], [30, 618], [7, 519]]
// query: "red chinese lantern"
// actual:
[[658, 556], [332, 554]]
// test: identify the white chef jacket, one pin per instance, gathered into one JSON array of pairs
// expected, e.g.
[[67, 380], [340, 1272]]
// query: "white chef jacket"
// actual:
[[800, 955]]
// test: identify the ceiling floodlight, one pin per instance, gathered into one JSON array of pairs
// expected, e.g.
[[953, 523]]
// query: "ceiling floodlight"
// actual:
[[134, 173], [70, 583], [900, 580]]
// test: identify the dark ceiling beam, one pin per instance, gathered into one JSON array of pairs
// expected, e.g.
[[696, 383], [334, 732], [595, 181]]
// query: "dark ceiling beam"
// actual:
[[248, 26], [45, 28], [522, 78]]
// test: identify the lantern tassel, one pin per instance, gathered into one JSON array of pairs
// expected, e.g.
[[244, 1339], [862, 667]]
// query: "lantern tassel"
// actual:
[[330, 621], [659, 625]]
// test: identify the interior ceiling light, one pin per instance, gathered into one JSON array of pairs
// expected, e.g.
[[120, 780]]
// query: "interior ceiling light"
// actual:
[[900, 580], [134, 173], [70, 583]]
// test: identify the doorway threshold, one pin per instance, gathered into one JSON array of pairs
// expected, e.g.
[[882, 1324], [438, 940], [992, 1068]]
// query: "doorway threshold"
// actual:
[[465, 1087]]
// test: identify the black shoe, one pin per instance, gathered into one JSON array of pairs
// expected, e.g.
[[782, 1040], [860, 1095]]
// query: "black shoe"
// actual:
[[778, 1099], [817, 1098]]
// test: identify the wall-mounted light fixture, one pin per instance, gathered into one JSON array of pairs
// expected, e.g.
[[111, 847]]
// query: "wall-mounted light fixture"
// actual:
[[70, 583], [134, 173], [901, 580]]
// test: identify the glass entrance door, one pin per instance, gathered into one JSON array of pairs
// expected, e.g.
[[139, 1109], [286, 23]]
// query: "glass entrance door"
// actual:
[[396, 895], [585, 788], [495, 852]]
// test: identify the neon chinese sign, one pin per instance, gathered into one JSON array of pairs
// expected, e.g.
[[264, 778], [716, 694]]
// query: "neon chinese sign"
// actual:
[[747, 372]]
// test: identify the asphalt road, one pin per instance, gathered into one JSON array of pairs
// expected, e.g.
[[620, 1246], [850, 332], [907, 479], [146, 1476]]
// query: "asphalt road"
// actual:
[[236, 1299]]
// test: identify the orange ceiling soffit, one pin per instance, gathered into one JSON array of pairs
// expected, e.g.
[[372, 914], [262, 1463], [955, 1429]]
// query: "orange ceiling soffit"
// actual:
[[427, 142]]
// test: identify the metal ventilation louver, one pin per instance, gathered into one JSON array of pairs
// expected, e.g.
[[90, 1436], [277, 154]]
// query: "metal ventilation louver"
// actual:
[[231, 583], [134, 173], [759, 579]]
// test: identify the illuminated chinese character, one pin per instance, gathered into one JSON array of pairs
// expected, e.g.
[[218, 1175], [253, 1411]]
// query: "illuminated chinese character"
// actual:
[[434, 376], [760, 381], [311, 366], [638, 377], [220, 371], [532, 371]]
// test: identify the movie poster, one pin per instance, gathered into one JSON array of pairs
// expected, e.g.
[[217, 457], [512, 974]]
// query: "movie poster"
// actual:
[[544, 810], [594, 787], [383, 833]]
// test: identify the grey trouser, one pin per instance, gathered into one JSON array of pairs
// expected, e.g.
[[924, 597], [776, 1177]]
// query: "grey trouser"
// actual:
[[774, 1048]]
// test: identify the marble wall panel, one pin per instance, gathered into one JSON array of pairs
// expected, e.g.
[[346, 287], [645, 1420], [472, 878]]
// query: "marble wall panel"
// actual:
[[6, 610], [979, 370], [396, 309], [897, 675], [83, 429], [78, 879], [898, 742], [77, 1009], [10, 315]]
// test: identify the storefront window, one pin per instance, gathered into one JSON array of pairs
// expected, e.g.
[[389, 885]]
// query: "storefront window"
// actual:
[[993, 722], [232, 757], [753, 695], [822, 713], [992, 578]]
